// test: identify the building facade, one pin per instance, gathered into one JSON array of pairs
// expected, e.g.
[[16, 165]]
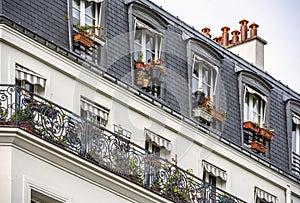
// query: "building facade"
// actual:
[[120, 101]]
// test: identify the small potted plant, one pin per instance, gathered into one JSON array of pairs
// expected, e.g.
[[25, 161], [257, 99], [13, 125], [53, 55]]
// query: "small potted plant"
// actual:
[[258, 146], [83, 35], [139, 63], [146, 80], [251, 126], [139, 77]]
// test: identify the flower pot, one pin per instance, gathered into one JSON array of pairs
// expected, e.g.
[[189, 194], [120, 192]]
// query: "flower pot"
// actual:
[[155, 73], [259, 147], [27, 126], [139, 65], [83, 40], [199, 97], [202, 114], [266, 134], [249, 126], [217, 115], [145, 82]]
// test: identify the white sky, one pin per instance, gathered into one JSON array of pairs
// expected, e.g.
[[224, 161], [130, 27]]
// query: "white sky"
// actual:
[[278, 20]]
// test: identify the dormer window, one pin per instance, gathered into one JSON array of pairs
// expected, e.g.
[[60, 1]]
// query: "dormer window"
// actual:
[[254, 106], [147, 41], [86, 19], [204, 77]]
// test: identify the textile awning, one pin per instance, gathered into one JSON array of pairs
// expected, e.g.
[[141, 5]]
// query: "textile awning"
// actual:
[[296, 119], [160, 141], [215, 171], [96, 1], [252, 91], [263, 195], [30, 76], [87, 106]]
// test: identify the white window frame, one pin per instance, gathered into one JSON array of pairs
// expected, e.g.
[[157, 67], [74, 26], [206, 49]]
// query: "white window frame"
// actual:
[[83, 15], [296, 135], [202, 64], [158, 40], [249, 110]]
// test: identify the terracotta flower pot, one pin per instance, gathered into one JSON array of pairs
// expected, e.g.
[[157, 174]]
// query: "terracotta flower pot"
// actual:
[[83, 40], [266, 134], [139, 65], [249, 126], [259, 147]]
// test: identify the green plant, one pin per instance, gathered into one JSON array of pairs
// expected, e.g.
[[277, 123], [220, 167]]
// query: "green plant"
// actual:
[[88, 30], [140, 57], [23, 115], [255, 124]]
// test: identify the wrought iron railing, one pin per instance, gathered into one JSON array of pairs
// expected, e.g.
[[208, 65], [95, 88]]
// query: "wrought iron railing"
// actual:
[[49, 121]]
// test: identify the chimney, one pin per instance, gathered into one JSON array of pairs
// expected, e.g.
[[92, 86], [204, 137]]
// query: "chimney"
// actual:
[[253, 29], [218, 40], [244, 29], [252, 48], [206, 31], [235, 36], [225, 35]]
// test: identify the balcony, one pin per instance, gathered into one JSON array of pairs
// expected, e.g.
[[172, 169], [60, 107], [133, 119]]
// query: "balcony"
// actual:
[[58, 126]]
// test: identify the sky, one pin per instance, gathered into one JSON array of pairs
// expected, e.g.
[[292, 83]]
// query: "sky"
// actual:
[[278, 20]]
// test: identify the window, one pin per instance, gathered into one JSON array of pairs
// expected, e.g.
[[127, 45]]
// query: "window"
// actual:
[[29, 80], [296, 144], [93, 112], [147, 41], [254, 106], [157, 145], [37, 197], [88, 13], [214, 175], [262, 196], [204, 77]]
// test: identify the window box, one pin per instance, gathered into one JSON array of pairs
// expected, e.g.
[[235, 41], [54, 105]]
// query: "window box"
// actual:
[[83, 40], [258, 146], [202, 114], [251, 126], [217, 115], [267, 134]]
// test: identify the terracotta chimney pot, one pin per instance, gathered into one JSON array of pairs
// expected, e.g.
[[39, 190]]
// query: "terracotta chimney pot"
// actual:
[[220, 39], [206, 31], [225, 35], [235, 36], [244, 29], [253, 29]]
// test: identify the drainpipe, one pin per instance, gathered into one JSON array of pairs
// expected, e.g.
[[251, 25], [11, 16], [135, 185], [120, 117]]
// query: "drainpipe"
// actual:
[[253, 29], [244, 29], [225, 35], [235, 36], [288, 194]]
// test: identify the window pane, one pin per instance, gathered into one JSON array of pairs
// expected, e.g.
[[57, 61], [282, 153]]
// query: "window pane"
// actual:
[[149, 42], [246, 107], [76, 4], [195, 83]]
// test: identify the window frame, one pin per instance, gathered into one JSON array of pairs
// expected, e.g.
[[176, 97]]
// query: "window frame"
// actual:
[[143, 32], [263, 103], [213, 76], [93, 118]]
